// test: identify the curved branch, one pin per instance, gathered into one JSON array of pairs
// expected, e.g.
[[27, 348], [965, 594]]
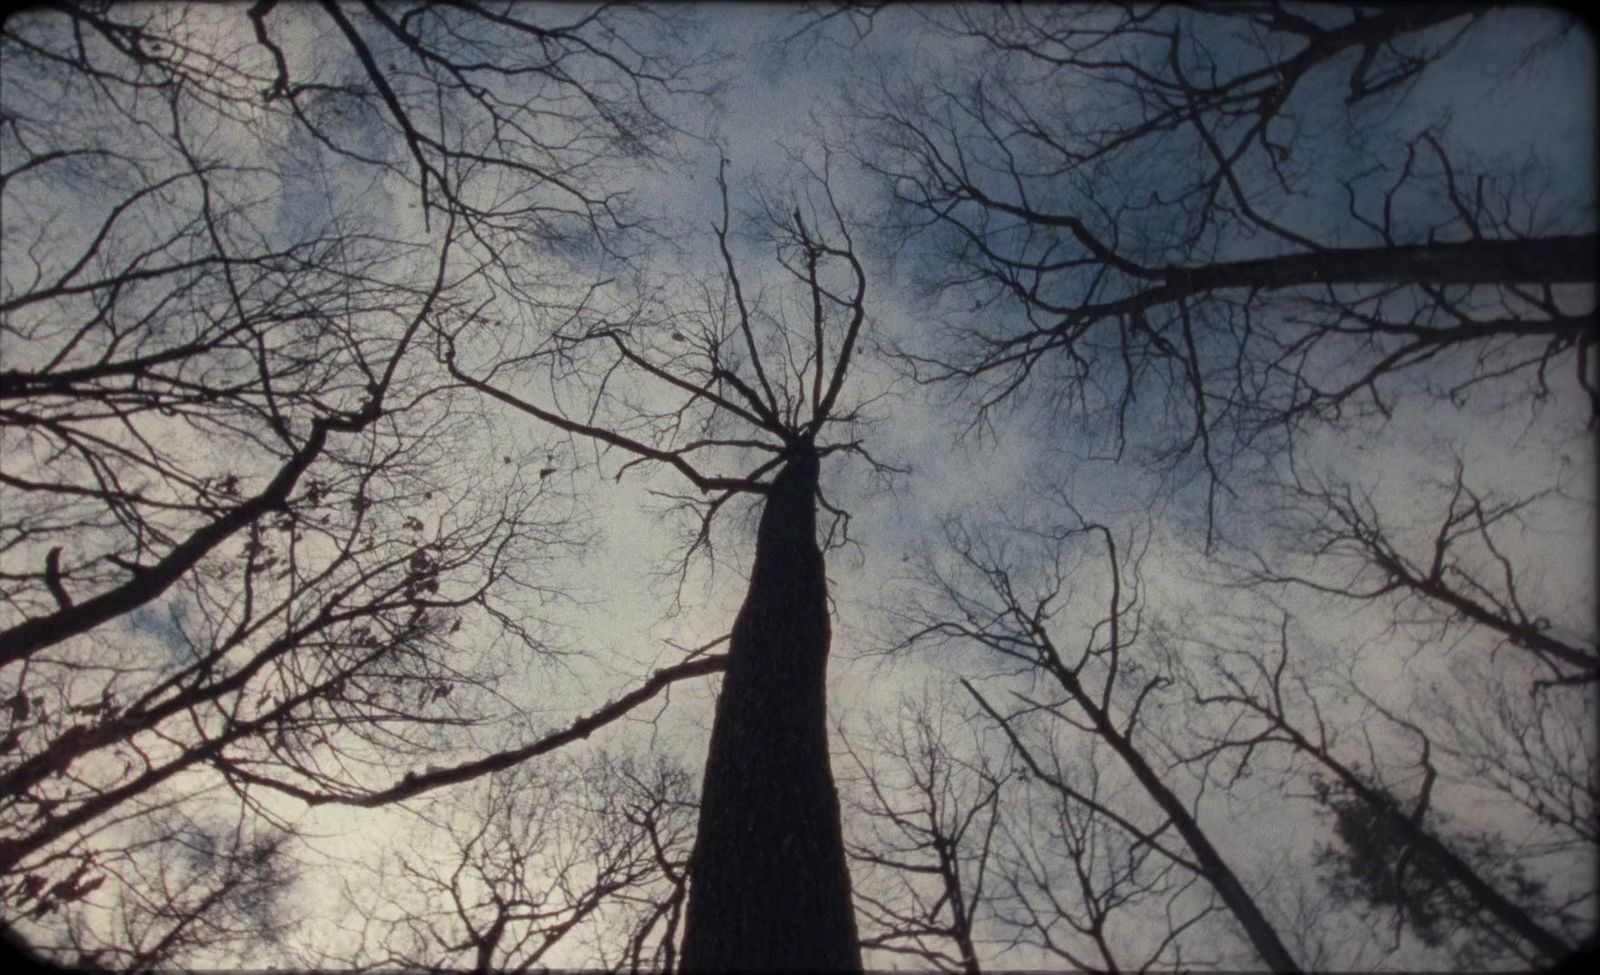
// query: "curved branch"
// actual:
[[674, 458], [413, 784]]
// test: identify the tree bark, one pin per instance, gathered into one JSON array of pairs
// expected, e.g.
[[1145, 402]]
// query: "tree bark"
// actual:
[[768, 884]]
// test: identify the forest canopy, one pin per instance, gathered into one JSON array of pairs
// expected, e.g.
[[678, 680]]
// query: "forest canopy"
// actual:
[[940, 486]]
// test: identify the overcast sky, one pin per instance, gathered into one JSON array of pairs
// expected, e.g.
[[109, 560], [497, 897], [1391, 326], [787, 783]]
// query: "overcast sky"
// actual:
[[777, 101], [780, 101]]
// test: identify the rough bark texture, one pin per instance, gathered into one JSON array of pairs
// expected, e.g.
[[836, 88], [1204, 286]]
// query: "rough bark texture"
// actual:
[[768, 884]]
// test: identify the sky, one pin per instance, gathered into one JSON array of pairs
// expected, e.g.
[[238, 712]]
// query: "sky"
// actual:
[[620, 624], [773, 107]]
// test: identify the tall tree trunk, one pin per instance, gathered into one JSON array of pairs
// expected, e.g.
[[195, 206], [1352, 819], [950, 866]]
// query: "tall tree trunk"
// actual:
[[768, 884]]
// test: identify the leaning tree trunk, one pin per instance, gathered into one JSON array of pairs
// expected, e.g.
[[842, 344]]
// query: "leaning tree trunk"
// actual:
[[768, 885]]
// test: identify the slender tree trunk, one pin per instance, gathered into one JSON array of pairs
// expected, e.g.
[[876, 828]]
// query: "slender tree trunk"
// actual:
[[1213, 867], [768, 884], [1551, 944]]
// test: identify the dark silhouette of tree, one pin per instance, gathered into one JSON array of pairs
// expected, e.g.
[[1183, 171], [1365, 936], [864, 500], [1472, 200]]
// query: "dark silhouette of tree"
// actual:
[[283, 284], [1204, 229], [769, 886], [964, 856], [930, 812], [562, 851], [1515, 722], [181, 885], [1082, 888], [1202, 233], [170, 290], [1456, 572], [1382, 867], [241, 549], [1390, 853], [1002, 591]]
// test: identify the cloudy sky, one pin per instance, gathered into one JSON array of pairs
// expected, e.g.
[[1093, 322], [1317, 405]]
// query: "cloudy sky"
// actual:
[[783, 88]]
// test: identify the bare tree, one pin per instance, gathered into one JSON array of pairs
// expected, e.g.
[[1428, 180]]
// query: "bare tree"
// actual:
[[742, 385], [1205, 227], [283, 283], [1395, 850], [180, 279], [1456, 572], [240, 548], [929, 812], [312, 648], [553, 854], [1003, 591], [1201, 233], [179, 888], [966, 858], [1501, 705], [1080, 888], [658, 800]]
